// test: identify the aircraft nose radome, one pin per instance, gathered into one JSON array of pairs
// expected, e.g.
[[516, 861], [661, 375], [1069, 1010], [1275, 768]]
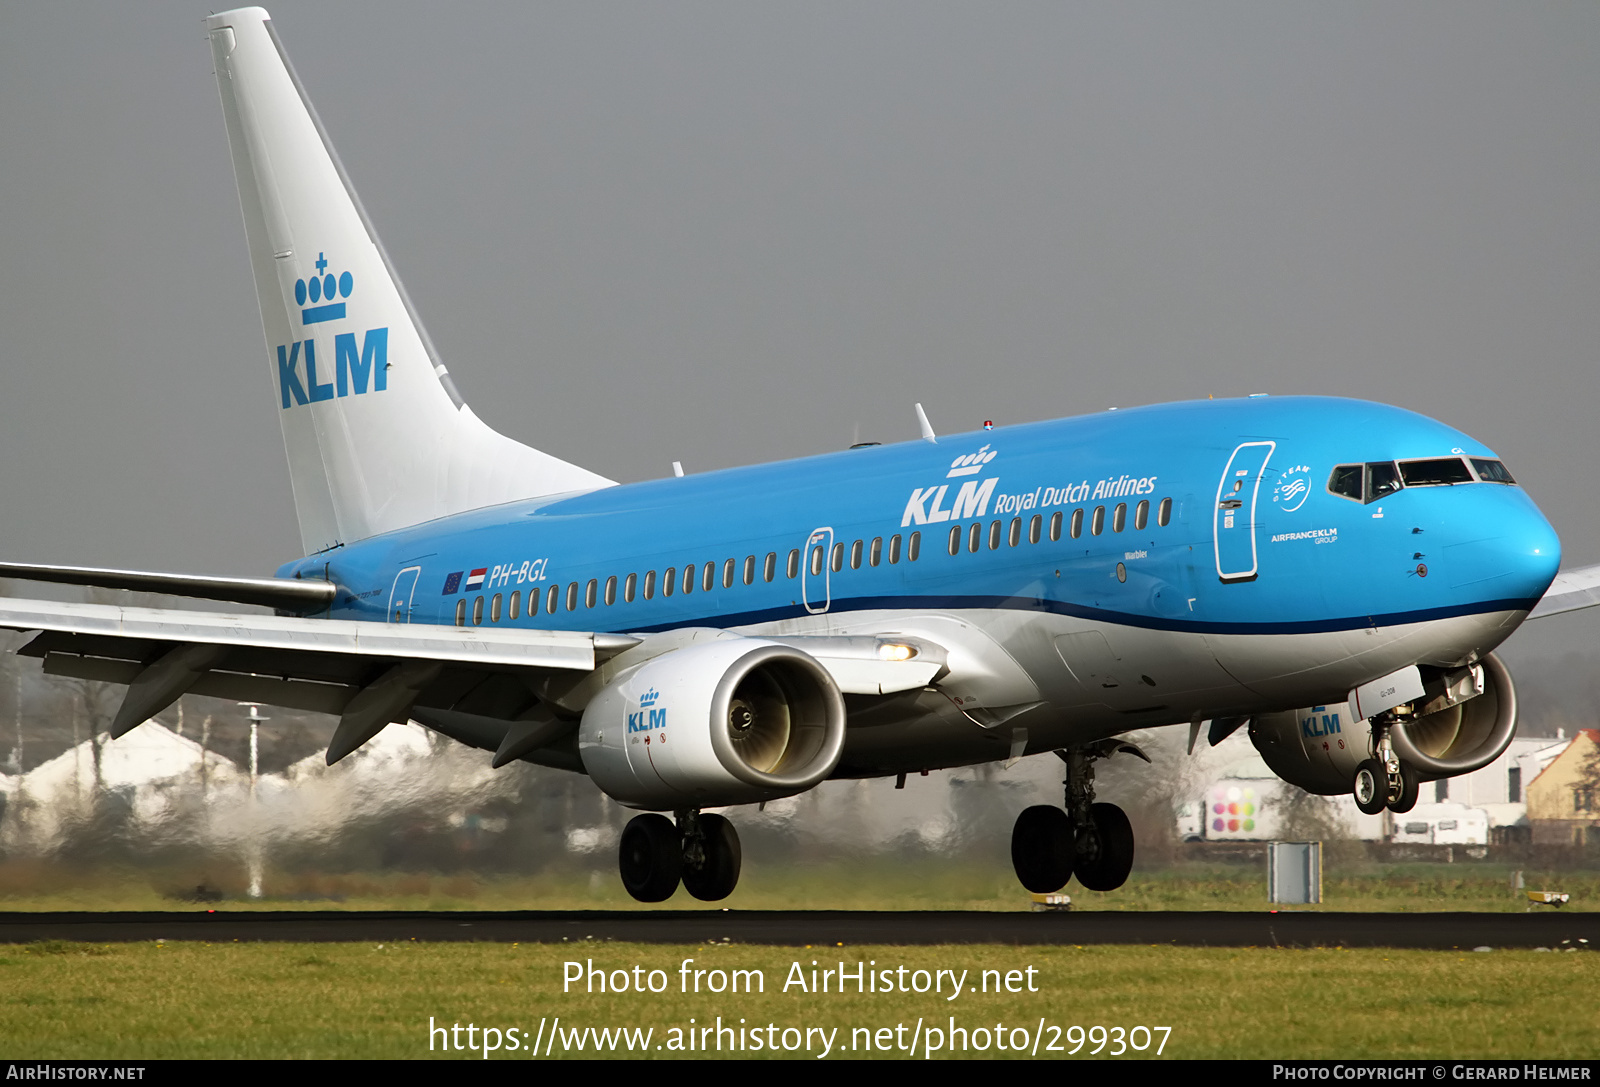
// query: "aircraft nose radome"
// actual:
[[1518, 564]]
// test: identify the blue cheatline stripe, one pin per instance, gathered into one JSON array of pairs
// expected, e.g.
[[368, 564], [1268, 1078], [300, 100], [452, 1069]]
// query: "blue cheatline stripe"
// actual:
[[1056, 607], [317, 314]]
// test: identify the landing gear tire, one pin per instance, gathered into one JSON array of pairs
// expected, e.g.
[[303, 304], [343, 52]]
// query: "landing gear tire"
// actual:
[[1406, 799], [1042, 848], [718, 872], [1106, 849], [1371, 787], [651, 858]]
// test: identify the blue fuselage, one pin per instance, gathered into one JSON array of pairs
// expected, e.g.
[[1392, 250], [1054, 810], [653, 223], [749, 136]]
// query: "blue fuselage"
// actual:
[[1208, 524]]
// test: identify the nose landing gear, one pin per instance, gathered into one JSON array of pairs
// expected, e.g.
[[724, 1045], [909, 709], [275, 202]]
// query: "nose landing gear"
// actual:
[[702, 852], [1385, 782], [1095, 841]]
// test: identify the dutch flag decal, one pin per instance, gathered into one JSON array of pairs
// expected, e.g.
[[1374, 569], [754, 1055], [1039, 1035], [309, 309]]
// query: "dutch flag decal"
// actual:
[[475, 579]]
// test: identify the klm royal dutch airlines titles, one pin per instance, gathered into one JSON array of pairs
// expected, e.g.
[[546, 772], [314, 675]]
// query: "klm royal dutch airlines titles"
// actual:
[[1330, 575]]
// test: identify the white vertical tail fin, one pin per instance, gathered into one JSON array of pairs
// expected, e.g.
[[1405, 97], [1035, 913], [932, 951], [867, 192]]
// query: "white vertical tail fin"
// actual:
[[376, 434]]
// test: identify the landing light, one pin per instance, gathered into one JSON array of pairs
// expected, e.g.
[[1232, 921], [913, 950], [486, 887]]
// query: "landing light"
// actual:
[[895, 651]]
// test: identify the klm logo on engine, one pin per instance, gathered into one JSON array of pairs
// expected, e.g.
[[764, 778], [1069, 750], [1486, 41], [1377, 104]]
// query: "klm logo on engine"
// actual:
[[356, 367], [650, 717], [1319, 724], [926, 505]]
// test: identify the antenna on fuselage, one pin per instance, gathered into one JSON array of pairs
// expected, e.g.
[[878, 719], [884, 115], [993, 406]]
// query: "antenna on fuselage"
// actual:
[[927, 427], [677, 469]]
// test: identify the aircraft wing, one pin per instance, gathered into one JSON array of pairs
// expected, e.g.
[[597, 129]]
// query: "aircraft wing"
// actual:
[[489, 688], [364, 672], [1572, 590]]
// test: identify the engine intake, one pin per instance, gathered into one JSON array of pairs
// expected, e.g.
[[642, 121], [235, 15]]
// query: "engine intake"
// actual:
[[1465, 736], [1450, 730], [733, 721]]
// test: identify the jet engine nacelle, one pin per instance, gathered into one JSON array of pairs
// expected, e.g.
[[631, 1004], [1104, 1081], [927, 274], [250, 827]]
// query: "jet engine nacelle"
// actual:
[[730, 722], [1463, 721]]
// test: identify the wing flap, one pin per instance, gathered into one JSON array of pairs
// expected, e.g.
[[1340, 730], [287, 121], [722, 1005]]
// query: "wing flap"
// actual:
[[105, 624], [367, 673]]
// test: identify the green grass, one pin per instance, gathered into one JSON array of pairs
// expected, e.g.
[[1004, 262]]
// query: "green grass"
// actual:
[[147, 1001], [921, 885]]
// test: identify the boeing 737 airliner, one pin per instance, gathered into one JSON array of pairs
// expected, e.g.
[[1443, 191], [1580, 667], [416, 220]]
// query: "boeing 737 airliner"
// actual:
[[1330, 574]]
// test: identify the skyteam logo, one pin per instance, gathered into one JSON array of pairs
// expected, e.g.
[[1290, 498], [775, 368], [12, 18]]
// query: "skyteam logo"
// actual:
[[356, 366], [926, 506], [1293, 488], [650, 716]]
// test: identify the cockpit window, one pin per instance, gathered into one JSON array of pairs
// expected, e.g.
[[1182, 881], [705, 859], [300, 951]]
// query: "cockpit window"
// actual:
[[1348, 480], [1492, 471], [1442, 472], [1383, 479]]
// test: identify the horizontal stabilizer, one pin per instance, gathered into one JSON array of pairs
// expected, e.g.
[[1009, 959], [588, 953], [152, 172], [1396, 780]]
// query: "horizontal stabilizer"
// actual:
[[281, 594]]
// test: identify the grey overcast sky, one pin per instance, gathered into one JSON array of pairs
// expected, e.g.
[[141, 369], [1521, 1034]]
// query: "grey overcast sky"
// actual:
[[724, 232]]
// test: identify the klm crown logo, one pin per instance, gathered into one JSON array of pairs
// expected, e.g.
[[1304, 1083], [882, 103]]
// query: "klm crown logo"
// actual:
[[972, 463], [321, 288], [648, 719], [357, 366]]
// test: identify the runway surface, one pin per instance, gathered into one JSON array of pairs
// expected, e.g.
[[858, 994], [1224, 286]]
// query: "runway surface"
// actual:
[[1552, 929]]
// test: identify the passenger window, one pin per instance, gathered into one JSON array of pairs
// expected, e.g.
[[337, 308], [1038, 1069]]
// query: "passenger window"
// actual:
[[688, 579], [1383, 479], [1055, 526], [1164, 512], [1077, 523], [494, 609], [572, 597], [628, 587], [994, 536], [914, 546], [955, 539], [709, 577], [461, 612], [1015, 536], [838, 557], [975, 537], [769, 569], [590, 592], [649, 584], [669, 580], [1348, 481], [552, 599], [875, 551], [816, 561], [894, 550], [727, 574], [477, 612], [1098, 524], [516, 605], [1141, 515], [1035, 526], [611, 590], [792, 567], [750, 570], [1119, 517], [855, 555]]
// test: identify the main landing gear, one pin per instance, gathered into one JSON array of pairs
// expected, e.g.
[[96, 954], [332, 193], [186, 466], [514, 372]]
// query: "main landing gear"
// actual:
[[1094, 841], [701, 852]]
